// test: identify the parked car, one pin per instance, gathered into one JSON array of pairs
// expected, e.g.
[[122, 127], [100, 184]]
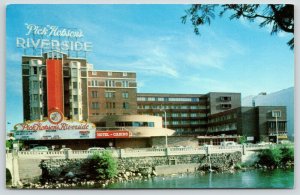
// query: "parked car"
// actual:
[[40, 149], [65, 149], [228, 143], [95, 149]]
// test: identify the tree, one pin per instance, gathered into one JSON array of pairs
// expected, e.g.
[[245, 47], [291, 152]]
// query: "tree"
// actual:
[[100, 166], [279, 16], [242, 139]]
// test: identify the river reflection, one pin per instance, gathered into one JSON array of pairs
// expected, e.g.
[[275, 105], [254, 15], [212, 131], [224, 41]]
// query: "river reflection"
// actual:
[[248, 179]]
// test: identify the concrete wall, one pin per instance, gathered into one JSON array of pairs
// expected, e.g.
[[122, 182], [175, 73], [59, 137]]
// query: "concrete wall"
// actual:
[[29, 169]]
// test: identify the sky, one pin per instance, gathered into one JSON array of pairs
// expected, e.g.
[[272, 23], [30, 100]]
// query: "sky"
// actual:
[[228, 56]]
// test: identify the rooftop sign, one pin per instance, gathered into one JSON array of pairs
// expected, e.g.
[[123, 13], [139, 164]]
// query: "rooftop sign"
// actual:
[[52, 37]]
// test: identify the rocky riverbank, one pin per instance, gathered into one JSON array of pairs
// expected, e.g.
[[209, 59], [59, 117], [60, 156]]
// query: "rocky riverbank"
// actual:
[[69, 174]]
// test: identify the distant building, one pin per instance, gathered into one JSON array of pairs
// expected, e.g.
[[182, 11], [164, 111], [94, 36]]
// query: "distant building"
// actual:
[[187, 113], [283, 97], [255, 123]]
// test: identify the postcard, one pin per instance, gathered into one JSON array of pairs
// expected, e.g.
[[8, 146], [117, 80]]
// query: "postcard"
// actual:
[[149, 96]]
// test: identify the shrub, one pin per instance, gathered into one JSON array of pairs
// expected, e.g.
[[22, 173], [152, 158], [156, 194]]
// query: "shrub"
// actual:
[[100, 166], [287, 154], [270, 157], [276, 156]]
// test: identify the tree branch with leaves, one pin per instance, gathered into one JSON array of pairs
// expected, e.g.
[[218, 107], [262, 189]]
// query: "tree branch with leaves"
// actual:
[[279, 16]]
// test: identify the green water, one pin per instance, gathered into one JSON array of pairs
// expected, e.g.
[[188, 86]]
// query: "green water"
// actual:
[[249, 179]]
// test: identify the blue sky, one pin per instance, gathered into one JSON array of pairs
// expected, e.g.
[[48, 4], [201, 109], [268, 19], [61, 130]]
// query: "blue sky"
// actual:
[[230, 56]]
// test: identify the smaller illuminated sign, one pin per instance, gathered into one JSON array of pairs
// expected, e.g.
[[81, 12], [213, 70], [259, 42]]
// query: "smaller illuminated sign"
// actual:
[[112, 134]]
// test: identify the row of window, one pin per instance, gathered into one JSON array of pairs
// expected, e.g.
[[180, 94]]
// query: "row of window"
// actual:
[[169, 99], [279, 125], [223, 118], [124, 74], [225, 127], [194, 122], [110, 83], [134, 124], [192, 115], [109, 94], [179, 107], [109, 105]]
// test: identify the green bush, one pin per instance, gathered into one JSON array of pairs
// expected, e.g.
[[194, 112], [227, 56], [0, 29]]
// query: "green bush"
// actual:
[[100, 166], [276, 156], [287, 154], [270, 157]]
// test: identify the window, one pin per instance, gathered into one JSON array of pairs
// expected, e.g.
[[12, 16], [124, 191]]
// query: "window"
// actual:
[[276, 113], [151, 98], [95, 83], [75, 111], [74, 72], [175, 114], [125, 84], [141, 98], [109, 83], [125, 105], [75, 98], [109, 73], [35, 62], [175, 122], [94, 73], [35, 97], [225, 98], [74, 85], [184, 115], [34, 70], [110, 105], [124, 74], [95, 105], [193, 114], [94, 94], [125, 95], [109, 94], [225, 106], [35, 85]]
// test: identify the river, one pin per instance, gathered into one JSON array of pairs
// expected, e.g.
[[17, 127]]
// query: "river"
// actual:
[[241, 179]]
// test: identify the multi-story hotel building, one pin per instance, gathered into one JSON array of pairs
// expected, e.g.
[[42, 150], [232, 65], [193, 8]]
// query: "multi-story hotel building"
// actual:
[[187, 114], [111, 93], [58, 81], [54, 81]]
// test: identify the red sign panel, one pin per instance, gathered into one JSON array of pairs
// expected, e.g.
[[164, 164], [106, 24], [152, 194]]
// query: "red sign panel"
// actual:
[[112, 134], [54, 84]]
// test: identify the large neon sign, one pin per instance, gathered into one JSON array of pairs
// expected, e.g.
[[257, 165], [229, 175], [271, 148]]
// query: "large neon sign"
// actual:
[[51, 37]]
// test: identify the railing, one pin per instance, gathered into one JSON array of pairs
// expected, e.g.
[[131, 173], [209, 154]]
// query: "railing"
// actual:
[[142, 152]]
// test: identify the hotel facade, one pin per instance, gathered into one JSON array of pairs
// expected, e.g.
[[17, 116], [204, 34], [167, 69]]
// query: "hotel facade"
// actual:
[[109, 99]]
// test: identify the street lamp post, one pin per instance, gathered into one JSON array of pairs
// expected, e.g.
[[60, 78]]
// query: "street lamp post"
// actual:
[[165, 125], [276, 114]]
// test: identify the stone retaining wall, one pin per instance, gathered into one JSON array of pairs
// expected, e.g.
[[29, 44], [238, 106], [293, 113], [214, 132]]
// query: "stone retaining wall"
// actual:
[[148, 166]]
